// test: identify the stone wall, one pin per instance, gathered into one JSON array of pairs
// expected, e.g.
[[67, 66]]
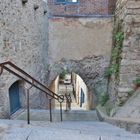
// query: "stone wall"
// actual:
[[24, 41], [127, 14], [80, 45]]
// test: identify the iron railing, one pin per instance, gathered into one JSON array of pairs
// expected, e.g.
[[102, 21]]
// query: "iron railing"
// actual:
[[15, 70]]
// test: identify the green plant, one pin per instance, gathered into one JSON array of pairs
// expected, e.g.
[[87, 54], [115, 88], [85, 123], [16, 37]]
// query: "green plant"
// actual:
[[103, 98], [137, 82], [113, 69], [130, 93], [108, 107], [63, 74], [118, 36], [116, 55]]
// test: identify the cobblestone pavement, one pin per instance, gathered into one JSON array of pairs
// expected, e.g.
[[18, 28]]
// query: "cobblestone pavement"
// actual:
[[19, 130]]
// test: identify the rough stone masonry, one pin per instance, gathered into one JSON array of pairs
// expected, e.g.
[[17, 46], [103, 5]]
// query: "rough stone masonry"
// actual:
[[23, 40], [127, 15]]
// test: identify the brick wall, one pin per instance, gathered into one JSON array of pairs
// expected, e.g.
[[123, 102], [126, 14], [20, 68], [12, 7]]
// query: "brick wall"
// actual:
[[82, 8]]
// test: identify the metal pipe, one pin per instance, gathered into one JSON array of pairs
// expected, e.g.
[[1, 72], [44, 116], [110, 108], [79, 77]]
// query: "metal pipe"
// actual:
[[27, 81], [1, 70], [28, 107], [61, 112], [50, 106]]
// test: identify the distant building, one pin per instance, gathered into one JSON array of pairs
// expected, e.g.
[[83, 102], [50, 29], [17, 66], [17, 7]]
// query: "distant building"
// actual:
[[81, 7]]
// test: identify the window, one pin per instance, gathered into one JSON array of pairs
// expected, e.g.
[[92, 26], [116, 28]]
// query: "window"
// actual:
[[61, 1], [72, 0], [66, 1]]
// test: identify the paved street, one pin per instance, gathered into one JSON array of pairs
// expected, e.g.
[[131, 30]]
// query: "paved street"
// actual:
[[19, 130]]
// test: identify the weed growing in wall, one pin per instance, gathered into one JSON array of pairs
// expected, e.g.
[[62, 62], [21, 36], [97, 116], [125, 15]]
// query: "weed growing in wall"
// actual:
[[136, 83], [63, 74], [103, 98], [113, 69]]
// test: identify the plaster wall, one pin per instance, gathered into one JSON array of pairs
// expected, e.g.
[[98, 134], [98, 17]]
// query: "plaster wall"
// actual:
[[76, 38]]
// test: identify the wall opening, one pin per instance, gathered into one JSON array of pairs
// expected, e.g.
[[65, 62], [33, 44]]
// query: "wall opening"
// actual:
[[74, 89], [14, 97]]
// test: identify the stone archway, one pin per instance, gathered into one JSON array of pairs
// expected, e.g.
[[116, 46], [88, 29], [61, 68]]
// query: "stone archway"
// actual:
[[90, 69]]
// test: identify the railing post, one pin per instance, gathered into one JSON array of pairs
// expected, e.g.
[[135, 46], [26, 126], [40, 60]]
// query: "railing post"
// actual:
[[61, 111], [50, 106], [28, 107], [1, 70], [60, 100], [28, 101]]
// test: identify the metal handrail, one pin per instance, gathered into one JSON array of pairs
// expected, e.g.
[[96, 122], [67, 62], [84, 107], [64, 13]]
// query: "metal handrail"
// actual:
[[33, 83], [29, 76]]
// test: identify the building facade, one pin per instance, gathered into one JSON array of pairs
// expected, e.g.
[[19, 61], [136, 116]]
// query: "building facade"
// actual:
[[81, 7], [80, 39]]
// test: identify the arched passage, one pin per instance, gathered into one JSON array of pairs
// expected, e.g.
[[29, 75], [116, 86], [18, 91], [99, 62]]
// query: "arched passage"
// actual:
[[90, 69], [74, 90], [14, 97]]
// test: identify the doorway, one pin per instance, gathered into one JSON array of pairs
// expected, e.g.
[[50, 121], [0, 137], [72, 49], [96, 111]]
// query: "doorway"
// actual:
[[14, 97]]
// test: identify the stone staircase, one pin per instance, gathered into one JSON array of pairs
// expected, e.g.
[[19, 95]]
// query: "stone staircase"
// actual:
[[43, 115], [19, 130], [75, 114], [62, 91], [69, 90]]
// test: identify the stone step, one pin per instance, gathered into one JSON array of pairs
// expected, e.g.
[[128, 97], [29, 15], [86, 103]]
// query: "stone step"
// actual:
[[73, 115], [71, 130], [64, 104]]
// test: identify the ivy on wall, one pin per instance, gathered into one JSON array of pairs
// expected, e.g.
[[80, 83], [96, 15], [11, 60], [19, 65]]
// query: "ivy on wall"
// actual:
[[114, 67]]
